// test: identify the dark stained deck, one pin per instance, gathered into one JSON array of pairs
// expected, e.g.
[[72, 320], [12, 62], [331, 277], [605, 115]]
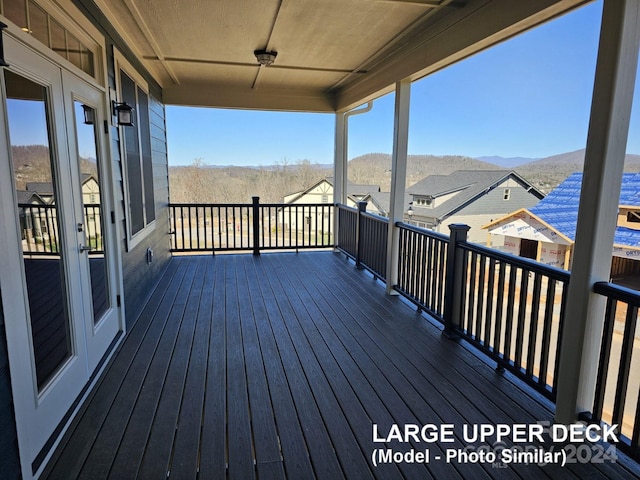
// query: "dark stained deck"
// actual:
[[277, 366]]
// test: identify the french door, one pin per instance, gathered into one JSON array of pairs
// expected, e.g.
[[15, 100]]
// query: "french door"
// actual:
[[57, 259]]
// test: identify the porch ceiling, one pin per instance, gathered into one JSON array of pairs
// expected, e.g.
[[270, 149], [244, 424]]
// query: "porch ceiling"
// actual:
[[332, 55]]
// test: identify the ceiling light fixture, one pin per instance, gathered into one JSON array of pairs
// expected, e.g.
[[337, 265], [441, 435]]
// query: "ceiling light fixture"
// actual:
[[265, 57]]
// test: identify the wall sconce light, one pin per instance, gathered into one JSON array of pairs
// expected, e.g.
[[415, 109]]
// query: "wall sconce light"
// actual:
[[89, 115], [410, 212], [124, 112], [265, 57]]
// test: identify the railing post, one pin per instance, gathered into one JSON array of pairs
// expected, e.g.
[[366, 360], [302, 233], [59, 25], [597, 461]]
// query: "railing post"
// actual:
[[256, 225], [454, 279], [362, 207]]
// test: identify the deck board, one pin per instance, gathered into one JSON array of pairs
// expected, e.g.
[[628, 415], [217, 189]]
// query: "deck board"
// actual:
[[277, 367]]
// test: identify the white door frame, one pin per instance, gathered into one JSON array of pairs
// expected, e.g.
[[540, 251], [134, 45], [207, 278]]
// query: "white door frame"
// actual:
[[39, 413]]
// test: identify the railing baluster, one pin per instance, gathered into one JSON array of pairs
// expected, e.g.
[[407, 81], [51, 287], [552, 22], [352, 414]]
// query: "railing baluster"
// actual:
[[546, 331], [533, 323], [497, 336], [480, 309], [488, 319], [471, 290], [522, 309], [625, 364], [513, 271]]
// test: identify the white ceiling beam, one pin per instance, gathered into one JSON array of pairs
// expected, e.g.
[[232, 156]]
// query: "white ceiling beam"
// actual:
[[225, 96]]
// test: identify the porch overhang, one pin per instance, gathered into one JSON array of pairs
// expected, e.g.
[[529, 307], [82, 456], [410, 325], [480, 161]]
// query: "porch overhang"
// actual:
[[332, 56]]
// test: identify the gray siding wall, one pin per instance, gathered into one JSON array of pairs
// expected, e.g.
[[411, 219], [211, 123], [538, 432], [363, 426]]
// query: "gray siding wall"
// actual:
[[9, 456], [139, 276], [494, 204]]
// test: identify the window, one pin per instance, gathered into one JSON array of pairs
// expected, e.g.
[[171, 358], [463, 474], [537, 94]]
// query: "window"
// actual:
[[325, 198], [138, 166], [423, 202], [633, 217], [507, 194], [35, 21]]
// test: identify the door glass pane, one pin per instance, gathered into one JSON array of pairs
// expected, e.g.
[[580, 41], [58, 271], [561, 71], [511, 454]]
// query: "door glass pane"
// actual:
[[39, 218], [88, 163]]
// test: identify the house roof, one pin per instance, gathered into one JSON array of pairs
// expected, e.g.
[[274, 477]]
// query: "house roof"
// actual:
[[382, 201], [559, 209], [46, 188], [43, 188], [332, 55], [357, 188], [470, 184], [28, 197], [353, 189]]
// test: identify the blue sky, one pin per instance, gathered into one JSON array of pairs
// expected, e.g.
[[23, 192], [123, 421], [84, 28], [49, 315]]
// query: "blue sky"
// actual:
[[529, 97]]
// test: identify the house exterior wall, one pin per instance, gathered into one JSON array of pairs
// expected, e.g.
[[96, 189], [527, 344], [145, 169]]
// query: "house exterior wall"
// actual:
[[476, 221], [493, 203], [322, 193], [509, 244], [139, 276], [552, 254]]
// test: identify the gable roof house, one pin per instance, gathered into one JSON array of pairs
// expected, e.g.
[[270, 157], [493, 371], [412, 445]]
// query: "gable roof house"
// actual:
[[471, 197], [323, 191], [117, 360], [546, 232]]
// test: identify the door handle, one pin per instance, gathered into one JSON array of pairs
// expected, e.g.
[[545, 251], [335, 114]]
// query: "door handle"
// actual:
[[84, 248]]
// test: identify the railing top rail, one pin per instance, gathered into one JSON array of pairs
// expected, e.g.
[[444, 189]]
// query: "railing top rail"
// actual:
[[423, 231], [374, 216], [286, 205], [224, 205], [230, 205], [342, 206], [618, 292], [525, 263]]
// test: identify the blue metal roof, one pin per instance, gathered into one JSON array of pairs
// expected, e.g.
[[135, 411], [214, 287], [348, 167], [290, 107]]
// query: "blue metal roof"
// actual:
[[560, 208]]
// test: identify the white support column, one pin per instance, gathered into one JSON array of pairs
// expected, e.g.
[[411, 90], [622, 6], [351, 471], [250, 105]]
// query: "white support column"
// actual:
[[398, 179], [604, 162], [339, 170]]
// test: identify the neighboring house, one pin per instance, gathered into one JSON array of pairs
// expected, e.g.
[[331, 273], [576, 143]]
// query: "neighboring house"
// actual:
[[379, 203], [322, 192], [43, 189], [90, 200], [318, 219], [472, 197], [546, 232], [32, 209]]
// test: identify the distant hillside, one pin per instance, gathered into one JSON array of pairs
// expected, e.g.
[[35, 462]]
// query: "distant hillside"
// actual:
[[548, 173], [509, 162], [33, 164], [375, 168]]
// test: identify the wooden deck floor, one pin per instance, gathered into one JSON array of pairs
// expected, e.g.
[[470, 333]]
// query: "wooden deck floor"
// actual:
[[277, 367]]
